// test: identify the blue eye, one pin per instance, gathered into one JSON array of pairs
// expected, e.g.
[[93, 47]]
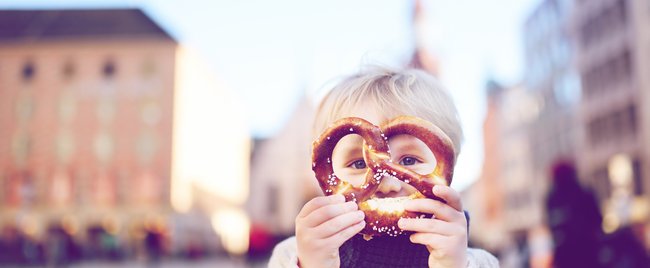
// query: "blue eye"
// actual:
[[408, 161], [359, 164]]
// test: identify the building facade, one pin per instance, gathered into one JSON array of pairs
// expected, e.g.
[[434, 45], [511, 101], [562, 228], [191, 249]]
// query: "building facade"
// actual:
[[86, 117], [91, 102], [504, 201], [613, 52], [281, 177], [554, 83]]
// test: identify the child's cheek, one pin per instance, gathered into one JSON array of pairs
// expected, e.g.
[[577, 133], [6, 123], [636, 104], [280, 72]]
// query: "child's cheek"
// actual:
[[355, 177], [423, 168]]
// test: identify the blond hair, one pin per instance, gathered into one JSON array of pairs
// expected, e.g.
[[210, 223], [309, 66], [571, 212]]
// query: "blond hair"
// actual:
[[393, 92]]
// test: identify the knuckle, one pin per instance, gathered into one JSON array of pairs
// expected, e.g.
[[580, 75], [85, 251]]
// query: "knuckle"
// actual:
[[319, 201], [310, 204], [330, 211], [334, 226], [437, 205], [431, 225], [345, 233]]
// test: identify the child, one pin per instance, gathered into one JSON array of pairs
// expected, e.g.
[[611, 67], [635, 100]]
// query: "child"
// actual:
[[327, 226]]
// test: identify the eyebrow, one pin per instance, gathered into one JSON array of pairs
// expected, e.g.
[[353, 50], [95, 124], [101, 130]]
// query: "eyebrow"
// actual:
[[409, 146], [350, 150]]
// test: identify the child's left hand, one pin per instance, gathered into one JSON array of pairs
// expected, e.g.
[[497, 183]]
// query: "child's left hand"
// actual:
[[445, 234]]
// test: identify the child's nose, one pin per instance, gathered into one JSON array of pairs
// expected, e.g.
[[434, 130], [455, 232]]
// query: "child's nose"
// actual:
[[389, 184]]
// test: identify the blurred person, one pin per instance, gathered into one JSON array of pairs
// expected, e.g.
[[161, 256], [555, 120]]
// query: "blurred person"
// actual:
[[57, 248], [574, 219], [624, 249], [154, 246], [327, 227]]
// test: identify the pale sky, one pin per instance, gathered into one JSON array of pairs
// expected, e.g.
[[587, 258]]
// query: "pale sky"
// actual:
[[272, 53]]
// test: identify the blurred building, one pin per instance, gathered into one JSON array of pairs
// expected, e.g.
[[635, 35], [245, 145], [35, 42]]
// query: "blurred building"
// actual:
[[527, 127], [90, 103], [483, 199], [422, 58], [552, 79], [281, 177], [613, 40], [502, 201]]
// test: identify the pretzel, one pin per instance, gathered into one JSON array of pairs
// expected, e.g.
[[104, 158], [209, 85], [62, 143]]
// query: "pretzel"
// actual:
[[382, 214]]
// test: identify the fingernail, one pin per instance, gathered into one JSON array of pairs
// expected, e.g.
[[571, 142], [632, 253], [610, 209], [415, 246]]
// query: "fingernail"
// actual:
[[436, 190], [339, 198], [400, 223]]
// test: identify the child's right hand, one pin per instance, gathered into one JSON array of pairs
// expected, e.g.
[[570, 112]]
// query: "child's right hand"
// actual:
[[322, 226]]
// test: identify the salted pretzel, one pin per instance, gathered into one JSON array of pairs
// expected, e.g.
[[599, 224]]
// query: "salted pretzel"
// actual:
[[382, 214]]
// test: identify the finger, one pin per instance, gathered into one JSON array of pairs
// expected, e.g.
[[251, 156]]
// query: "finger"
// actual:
[[339, 223], [431, 226], [439, 209], [318, 202], [432, 241], [328, 212], [449, 195], [339, 238]]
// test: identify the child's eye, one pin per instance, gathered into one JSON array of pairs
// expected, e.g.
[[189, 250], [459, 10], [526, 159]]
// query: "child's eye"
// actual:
[[408, 161], [359, 164]]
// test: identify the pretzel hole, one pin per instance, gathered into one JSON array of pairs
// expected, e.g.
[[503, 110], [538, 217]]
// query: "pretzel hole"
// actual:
[[412, 153], [347, 160]]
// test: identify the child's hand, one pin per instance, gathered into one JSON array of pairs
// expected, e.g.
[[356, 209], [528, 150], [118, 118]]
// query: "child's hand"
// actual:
[[322, 226], [445, 234]]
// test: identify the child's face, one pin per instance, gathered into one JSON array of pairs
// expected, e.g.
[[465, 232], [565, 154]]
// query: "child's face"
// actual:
[[406, 150]]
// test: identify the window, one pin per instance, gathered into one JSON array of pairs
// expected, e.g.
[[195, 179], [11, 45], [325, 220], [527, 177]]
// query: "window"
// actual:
[[103, 146], [637, 177], [146, 146], [567, 89], [611, 72], [614, 126], [105, 110], [67, 107], [632, 118], [21, 147], [24, 108], [273, 197], [151, 113], [68, 70], [148, 68], [109, 69], [29, 71], [64, 147], [4, 186], [609, 20]]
